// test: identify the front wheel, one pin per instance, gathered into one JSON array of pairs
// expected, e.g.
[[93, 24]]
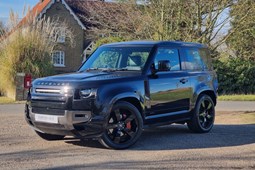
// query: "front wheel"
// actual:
[[124, 126], [203, 115], [49, 137]]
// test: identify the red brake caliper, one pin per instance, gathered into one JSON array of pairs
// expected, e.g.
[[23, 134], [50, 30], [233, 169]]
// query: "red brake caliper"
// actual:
[[128, 124]]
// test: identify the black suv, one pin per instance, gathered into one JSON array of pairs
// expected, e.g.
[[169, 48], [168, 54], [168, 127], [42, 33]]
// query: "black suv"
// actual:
[[124, 86]]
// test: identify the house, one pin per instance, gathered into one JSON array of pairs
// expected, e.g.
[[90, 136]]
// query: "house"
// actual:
[[66, 58]]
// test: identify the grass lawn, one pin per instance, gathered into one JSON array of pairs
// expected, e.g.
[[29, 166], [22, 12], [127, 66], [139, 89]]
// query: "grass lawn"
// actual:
[[237, 98], [5, 100]]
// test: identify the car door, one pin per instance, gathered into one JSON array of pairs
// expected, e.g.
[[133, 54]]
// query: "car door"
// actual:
[[170, 91]]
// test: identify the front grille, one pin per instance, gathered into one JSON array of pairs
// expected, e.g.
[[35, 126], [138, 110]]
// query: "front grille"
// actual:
[[48, 104], [45, 99], [48, 111], [47, 91]]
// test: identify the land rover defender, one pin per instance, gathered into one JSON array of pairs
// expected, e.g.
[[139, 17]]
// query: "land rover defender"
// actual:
[[123, 87]]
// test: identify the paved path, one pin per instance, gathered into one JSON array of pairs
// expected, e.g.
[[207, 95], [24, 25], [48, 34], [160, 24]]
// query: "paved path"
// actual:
[[235, 106], [12, 108]]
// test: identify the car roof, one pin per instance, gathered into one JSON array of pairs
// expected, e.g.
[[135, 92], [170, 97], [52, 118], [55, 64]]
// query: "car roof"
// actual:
[[156, 43]]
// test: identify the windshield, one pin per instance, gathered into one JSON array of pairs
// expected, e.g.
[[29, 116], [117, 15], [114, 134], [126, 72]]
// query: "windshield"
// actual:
[[117, 58]]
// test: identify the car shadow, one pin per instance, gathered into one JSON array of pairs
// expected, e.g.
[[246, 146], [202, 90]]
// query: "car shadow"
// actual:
[[84, 142], [174, 137]]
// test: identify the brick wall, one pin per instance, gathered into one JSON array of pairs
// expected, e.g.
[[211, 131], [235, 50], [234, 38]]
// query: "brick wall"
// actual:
[[18, 92], [73, 58]]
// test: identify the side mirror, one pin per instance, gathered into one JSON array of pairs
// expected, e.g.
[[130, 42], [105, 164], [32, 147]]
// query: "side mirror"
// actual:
[[164, 65]]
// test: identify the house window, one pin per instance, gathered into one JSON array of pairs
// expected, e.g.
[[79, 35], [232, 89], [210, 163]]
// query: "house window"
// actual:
[[58, 58], [59, 35]]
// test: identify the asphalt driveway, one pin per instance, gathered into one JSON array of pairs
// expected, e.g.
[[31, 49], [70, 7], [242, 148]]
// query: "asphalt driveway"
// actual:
[[230, 145]]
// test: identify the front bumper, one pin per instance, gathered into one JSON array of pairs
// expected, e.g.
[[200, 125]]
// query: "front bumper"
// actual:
[[65, 122]]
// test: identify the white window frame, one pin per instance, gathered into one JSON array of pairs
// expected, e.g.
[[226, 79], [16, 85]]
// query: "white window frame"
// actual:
[[61, 35], [61, 58]]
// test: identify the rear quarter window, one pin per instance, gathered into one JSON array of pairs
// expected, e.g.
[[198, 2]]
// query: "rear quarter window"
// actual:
[[206, 57], [196, 59]]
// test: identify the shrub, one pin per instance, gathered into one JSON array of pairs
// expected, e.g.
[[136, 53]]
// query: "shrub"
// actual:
[[236, 76], [27, 48]]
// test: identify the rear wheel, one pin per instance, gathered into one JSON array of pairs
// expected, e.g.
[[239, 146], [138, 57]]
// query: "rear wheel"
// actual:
[[203, 115], [124, 126], [49, 137]]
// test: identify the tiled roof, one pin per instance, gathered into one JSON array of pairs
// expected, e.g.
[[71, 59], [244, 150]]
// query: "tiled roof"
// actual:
[[37, 9], [84, 11], [81, 9]]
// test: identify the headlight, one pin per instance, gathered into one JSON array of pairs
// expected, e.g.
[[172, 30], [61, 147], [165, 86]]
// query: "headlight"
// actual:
[[86, 93], [66, 90]]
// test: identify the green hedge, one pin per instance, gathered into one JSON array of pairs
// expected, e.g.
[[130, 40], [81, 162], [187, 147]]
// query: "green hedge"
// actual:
[[236, 76]]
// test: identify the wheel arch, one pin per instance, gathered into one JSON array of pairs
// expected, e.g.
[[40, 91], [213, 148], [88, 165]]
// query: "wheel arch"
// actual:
[[134, 101], [210, 93], [130, 98]]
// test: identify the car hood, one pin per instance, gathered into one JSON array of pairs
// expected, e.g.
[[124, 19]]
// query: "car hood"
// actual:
[[89, 76]]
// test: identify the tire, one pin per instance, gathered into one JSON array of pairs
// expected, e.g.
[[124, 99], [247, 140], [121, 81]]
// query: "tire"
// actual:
[[124, 126], [49, 137], [203, 115]]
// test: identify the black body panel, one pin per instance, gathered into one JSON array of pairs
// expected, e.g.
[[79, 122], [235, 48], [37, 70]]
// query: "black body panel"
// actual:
[[161, 97]]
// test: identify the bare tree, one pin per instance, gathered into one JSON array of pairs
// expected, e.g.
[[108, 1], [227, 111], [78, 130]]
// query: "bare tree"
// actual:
[[242, 34], [110, 18], [193, 20]]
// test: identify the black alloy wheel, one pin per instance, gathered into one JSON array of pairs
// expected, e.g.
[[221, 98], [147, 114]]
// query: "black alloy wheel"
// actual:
[[124, 126], [203, 115]]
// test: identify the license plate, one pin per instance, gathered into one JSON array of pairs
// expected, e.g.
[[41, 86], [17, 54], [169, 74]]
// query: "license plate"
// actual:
[[46, 118]]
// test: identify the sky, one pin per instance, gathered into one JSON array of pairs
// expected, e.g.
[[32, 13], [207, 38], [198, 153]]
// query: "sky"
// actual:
[[16, 5]]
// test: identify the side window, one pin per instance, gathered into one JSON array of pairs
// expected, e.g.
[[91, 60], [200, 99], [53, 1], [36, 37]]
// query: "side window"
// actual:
[[193, 60], [136, 60], [204, 53], [168, 54]]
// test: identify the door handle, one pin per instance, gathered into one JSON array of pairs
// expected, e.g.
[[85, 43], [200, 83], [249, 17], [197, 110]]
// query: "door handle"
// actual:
[[183, 81]]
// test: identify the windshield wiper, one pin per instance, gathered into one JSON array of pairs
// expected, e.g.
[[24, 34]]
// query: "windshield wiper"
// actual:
[[108, 70], [88, 69], [114, 69], [105, 69], [121, 69]]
